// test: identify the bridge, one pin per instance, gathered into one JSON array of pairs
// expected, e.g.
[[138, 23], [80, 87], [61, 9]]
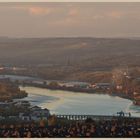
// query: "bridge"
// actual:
[[94, 117]]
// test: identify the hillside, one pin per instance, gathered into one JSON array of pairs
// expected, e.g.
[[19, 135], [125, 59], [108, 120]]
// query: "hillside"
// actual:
[[82, 51], [68, 58]]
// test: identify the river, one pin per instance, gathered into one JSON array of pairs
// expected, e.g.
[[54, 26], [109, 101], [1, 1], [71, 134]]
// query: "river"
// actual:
[[65, 102]]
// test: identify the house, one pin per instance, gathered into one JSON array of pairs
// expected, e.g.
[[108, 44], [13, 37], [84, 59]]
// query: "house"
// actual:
[[24, 116], [12, 117], [101, 85], [22, 104], [37, 113], [4, 105], [33, 108], [119, 87], [74, 84], [38, 82]]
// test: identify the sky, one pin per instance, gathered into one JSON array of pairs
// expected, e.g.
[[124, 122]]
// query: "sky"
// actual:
[[70, 19]]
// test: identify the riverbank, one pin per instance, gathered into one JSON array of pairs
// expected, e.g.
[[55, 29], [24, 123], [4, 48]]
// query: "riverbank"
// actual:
[[10, 91], [68, 102], [30, 81], [81, 90]]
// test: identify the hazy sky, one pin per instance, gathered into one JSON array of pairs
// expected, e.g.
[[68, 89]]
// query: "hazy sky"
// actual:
[[70, 19]]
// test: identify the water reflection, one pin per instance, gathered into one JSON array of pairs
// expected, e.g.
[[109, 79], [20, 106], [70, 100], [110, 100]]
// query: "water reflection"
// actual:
[[64, 102]]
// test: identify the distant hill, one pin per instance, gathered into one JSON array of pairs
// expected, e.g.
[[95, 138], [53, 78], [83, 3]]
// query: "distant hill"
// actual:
[[89, 52]]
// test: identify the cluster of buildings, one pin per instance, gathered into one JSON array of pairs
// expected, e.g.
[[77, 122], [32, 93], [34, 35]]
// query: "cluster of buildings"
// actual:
[[101, 85], [85, 85], [67, 84], [34, 113]]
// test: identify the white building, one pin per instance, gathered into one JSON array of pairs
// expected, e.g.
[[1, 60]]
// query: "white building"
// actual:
[[101, 85], [37, 113], [24, 117], [119, 87]]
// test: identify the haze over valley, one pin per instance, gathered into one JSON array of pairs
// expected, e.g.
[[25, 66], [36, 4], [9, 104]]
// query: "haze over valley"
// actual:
[[67, 58]]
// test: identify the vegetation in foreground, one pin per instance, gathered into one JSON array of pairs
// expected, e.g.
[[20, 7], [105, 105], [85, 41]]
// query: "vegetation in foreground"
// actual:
[[129, 128]]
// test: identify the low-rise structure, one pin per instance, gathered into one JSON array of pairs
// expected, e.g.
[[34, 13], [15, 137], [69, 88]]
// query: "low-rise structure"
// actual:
[[74, 84], [37, 113], [24, 116], [101, 85], [22, 104]]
